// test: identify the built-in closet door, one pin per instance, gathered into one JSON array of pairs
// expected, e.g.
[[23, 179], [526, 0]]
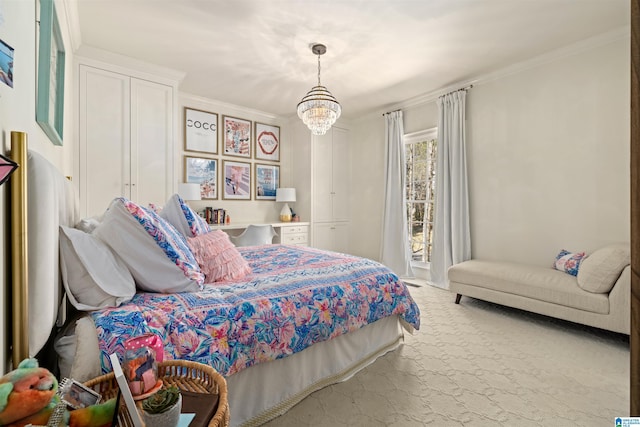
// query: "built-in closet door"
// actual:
[[151, 147], [104, 139], [126, 139]]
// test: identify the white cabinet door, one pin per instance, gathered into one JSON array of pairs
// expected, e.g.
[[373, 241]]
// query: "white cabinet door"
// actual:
[[104, 139], [332, 236], [340, 176], [126, 139], [323, 178], [151, 142]]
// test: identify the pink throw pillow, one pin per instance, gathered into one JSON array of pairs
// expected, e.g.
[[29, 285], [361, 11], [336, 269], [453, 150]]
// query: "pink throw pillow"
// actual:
[[218, 258]]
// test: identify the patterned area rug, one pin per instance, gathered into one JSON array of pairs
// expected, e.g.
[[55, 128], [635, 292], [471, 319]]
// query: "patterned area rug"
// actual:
[[481, 364]]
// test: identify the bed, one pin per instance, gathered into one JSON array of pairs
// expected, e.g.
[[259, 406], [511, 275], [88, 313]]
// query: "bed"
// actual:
[[311, 316]]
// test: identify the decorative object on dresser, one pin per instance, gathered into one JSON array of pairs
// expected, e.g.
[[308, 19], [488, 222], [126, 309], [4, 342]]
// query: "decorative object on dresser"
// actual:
[[203, 172], [237, 137], [267, 181], [267, 142], [319, 110], [237, 180], [285, 195], [200, 131]]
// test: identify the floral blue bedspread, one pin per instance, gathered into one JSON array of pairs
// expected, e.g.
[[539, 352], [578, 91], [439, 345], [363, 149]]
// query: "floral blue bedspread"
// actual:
[[295, 297]]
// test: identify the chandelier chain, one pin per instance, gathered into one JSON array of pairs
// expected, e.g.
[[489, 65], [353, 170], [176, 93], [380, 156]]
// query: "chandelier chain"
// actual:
[[319, 70]]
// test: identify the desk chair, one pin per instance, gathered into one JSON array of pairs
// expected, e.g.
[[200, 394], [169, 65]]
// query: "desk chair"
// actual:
[[255, 235]]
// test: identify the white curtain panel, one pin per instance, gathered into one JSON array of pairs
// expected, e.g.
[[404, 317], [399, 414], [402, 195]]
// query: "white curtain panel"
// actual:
[[395, 251], [451, 235]]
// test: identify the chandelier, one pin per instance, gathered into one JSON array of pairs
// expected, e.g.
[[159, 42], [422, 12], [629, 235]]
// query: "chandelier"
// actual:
[[319, 110]]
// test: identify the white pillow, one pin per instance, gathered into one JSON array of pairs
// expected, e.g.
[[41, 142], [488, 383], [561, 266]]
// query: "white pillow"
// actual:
[[599, 271], [183, 218], [89, 224], [155, 253], [93, 276]]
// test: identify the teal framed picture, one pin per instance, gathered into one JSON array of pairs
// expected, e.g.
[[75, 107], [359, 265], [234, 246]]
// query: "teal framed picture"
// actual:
[[50, 92]]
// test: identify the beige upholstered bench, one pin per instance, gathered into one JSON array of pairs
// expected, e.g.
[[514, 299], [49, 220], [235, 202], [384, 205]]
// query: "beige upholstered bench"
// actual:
[[598, 296]]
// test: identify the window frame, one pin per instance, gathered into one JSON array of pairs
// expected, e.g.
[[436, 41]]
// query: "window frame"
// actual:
[[412, 138]]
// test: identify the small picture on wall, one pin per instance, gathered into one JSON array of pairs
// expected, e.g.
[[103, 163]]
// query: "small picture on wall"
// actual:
[[267, 142], [204, 172], [237, 180], [237, 137], [6, 64], [200, 131], [267, 181]]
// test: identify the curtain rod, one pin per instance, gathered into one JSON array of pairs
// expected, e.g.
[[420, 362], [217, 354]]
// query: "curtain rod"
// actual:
[[464, 88]]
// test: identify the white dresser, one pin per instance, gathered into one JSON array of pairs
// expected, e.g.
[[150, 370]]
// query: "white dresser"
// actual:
[[289, 233], [294, 233]]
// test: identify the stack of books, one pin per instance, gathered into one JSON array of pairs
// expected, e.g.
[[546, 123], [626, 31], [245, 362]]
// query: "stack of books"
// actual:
[[215, 216]]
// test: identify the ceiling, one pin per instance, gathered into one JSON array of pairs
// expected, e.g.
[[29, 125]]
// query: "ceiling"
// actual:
[[256, 54]]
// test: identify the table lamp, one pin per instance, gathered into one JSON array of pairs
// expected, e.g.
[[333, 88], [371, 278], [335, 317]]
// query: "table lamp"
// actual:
[[189, 191], [285, 195]]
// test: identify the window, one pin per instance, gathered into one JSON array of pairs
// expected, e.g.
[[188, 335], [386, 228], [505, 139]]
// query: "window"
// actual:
[[420, 158]]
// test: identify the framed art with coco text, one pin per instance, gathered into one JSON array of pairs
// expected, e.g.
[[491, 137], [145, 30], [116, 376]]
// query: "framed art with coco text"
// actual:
[[50, 96], [267, 181], [237, 136], [267, 142], [204, 172], [237, 180], [200, 131]]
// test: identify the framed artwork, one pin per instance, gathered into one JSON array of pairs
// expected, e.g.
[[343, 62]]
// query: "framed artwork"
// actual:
[[6, 64], [267, 142], [237, 180], [204, 172], [200, 131], [237, 136], [267, 181], [50, 97]]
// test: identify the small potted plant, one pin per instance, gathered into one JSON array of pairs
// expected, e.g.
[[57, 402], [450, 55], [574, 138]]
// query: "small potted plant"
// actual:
[[162, 409]]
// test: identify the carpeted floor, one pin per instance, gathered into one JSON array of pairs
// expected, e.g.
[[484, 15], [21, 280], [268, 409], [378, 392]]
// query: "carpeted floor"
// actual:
[[480, 364]]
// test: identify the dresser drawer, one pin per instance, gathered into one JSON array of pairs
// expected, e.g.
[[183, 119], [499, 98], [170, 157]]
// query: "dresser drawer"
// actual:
[[294, 229], [294, 239]]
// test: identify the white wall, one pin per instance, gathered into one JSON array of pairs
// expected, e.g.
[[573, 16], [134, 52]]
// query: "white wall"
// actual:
[[17, 113], [548, 156]]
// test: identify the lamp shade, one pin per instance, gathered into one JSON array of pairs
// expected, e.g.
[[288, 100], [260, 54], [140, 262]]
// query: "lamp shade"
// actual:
[[189, 191], [286, 195]]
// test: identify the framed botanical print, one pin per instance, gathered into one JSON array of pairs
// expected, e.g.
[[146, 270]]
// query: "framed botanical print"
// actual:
[[50, 96], [267, 145], [267, 181], [204, 172], [237, 137], [200, 131], [237, 180]]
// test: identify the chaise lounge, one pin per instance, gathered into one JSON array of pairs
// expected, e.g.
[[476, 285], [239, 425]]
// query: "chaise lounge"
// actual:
[[598, 296]]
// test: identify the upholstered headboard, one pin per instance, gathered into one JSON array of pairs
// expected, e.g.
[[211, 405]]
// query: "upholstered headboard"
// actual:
[[42, 200]]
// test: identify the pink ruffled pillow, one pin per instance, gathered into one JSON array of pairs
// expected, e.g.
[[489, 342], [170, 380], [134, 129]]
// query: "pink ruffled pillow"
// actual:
[[218, 258]]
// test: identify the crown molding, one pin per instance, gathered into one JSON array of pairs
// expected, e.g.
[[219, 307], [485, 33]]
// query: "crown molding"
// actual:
[[70, 8]]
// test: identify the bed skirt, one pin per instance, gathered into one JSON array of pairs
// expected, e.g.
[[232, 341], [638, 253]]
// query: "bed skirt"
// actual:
[[264, 391]]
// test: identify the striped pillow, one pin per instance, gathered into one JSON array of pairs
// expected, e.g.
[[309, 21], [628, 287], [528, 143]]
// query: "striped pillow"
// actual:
[[183, 218], [156, 254]]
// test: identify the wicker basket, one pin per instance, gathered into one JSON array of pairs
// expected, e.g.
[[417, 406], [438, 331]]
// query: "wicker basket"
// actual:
[[188, 376]]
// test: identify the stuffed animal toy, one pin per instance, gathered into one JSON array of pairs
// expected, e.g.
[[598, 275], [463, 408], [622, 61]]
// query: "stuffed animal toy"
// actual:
[[27, 395], [93, 416]]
